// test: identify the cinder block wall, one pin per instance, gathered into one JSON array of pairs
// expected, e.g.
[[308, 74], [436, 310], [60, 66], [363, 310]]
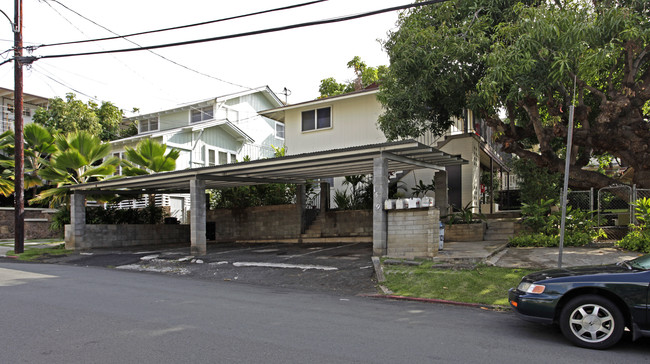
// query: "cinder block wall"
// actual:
[[114, 236], [37, 223], [277, 222], [413, 233], [347, 223]]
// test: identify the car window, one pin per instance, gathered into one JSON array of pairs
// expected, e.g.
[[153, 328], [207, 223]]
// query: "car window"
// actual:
[[642, 262]]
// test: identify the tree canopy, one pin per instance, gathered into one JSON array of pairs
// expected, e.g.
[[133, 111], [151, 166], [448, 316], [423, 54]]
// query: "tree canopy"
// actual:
[[364, 77], [514, 63], [72, 115]]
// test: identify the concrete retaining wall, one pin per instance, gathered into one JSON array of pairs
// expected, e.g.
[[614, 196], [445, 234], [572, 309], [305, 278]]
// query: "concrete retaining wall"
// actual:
[[348, 223], [413, 233], [114, 236], [37, 223], [279, 223], [465, 232]]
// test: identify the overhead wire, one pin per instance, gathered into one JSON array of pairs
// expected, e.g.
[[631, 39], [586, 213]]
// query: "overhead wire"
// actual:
[[155, 53], [180, 26], [246, 34]]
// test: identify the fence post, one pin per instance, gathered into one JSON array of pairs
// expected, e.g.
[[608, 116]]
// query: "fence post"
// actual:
[[591, 202], [634, 198]]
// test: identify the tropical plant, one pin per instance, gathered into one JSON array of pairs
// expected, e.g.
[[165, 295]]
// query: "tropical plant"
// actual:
[[39, 145], [148, 157], [638, 237], [464, 215], [80, 157], [422, 189]]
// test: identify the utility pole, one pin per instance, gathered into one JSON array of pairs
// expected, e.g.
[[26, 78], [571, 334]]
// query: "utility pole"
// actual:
[[19, 152]]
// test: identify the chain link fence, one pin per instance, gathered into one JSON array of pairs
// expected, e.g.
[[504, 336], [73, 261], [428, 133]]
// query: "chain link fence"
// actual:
[[612, 206]]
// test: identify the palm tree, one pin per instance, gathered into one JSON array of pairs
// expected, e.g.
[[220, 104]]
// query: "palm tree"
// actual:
[[80, 157], [149, 157], [39, 145]]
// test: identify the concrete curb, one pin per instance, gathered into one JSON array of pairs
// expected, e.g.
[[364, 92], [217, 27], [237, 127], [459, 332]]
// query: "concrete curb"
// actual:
[[435, 300]]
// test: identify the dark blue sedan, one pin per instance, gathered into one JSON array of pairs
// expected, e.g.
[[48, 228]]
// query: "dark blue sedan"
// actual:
[[592, 305]]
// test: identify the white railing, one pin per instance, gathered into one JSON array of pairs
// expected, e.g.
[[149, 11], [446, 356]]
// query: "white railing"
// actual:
[[6, 125]]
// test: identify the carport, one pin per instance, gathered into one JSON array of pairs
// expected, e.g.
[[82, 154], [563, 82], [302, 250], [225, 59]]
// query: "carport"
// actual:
[[376, 159]]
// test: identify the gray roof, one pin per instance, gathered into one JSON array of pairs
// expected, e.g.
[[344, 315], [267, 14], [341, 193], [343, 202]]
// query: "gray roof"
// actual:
[[401, 155]]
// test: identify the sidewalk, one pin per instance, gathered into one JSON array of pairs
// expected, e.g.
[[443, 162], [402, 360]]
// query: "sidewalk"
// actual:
[[499, 254]]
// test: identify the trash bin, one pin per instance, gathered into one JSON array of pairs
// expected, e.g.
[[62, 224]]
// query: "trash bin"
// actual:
[[441, 243]]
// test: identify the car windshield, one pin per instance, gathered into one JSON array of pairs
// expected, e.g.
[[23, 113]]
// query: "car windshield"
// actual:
[[642, 262]]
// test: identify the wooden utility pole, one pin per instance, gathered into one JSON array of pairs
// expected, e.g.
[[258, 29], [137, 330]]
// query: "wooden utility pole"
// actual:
[[19, 152]]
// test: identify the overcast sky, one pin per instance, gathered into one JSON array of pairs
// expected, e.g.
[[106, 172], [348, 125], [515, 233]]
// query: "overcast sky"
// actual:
[[296, 59]]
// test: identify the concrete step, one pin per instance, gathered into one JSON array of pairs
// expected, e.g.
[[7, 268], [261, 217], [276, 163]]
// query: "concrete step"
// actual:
[[498, 236], [341, 239]]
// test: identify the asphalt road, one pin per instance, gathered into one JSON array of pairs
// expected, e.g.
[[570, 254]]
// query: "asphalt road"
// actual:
[[71, 314]]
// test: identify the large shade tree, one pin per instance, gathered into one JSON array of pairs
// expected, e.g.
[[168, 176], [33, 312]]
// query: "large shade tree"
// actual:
[[72, 114], [515, 64]]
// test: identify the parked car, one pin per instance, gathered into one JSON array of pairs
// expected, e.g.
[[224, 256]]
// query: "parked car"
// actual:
[[592, 305]]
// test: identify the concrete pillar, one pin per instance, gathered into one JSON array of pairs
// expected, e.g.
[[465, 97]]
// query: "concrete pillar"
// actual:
[[379, 215], [197, 217], [74, 240], [442, 192], [301, 205], [324, 196]]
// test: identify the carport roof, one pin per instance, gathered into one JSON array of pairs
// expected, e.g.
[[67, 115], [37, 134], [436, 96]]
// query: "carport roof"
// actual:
[[401, 155]]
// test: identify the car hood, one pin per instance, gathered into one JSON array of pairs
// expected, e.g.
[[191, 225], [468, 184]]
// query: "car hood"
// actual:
[[577, 271]]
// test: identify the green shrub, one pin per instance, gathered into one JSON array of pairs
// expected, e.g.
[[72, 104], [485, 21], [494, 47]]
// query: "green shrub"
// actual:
[[534, 240], [636, 240]]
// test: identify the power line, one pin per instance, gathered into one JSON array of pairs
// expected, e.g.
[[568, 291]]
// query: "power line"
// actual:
[[244, 34], [180, 26], [152, 52]]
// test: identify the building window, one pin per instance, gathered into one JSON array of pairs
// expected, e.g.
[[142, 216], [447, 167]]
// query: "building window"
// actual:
[[212, 160], [217, 157], [118, 168], [279, 130], [223, 158], [146, 125], [202, 114], [317, 119]]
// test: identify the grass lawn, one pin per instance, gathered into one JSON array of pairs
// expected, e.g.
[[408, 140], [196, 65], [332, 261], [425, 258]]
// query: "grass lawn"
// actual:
[[33, 253], [483, 284]]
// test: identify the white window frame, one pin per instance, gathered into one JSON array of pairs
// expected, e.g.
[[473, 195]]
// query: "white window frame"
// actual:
[[148, 122], [278, 124], [231, 156], [206, 113], [118, 169], [316, 128]]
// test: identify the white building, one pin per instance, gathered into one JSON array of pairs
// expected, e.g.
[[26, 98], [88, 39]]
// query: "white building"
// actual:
[[216, 131]]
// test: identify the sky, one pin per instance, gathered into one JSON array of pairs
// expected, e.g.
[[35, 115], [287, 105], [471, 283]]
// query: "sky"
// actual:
[[296, 59]]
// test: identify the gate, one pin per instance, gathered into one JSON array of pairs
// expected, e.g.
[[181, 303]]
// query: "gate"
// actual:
[[615, 210]]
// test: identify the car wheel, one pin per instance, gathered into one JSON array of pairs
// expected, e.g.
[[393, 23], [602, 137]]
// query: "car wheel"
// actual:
[[592, 322]]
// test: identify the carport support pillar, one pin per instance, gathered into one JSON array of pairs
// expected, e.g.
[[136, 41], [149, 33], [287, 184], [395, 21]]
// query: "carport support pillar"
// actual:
[[324, 196], [442, 192], [301, 204], [197, 217], [74, 239], [379, 215]]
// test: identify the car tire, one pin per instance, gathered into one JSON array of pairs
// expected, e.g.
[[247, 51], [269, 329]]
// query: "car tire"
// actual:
[[592, 321]]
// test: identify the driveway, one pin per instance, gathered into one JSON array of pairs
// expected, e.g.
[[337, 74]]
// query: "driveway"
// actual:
[[343, 268]]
